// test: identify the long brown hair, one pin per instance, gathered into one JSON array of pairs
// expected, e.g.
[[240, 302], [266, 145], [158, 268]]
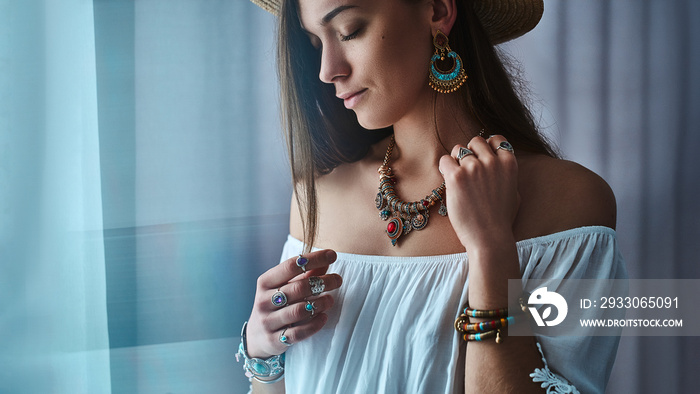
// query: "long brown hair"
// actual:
[[321, 133]]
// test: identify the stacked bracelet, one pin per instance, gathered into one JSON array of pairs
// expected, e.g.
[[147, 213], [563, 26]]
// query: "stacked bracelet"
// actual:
[[486, 313], [487, 325], [487, 329], [482, 336], [482, 331], [269, 370]]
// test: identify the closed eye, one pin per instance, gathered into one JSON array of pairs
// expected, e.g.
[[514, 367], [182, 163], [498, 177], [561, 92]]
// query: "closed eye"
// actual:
[[350, 36]]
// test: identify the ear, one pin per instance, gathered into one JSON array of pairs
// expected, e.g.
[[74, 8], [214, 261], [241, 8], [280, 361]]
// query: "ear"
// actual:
[[444, 16]]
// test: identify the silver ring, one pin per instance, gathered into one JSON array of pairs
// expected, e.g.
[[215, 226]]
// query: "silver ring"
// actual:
[[317, 285], [284, 339], [310, 307], [505, 145], [464, 152], [301, 262], [279, 299]]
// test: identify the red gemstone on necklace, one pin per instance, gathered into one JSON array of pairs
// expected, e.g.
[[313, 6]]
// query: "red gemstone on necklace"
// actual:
[[425, 203], [391, 227]]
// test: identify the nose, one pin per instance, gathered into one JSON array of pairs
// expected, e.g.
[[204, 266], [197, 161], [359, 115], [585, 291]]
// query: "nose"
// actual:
[[334, 65]]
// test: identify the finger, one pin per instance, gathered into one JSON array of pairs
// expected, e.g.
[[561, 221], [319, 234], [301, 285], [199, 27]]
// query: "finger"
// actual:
[[297, 291], [504, 152], [480, 147], [447, 165], [495, 139], [298, 313], [460, 152], [499, 144], [298, 333], [303, 288], [314, 272], [287, 270]]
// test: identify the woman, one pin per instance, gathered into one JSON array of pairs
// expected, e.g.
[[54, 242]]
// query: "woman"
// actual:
[[408, 102]]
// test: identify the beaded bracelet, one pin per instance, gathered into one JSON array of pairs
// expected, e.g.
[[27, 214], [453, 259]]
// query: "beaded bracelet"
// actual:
[[472, 330], [488, 329], [486, 325], [482, 336], [486, 312]]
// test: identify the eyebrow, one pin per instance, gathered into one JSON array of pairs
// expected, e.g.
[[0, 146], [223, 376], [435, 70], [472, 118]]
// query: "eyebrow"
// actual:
[[329, 16]]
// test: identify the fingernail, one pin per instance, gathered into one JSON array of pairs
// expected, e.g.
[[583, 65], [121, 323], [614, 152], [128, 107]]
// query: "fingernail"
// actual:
[[331, 255]]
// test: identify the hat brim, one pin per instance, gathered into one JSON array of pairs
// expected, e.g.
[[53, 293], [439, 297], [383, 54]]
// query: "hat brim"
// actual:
[[503, 20]]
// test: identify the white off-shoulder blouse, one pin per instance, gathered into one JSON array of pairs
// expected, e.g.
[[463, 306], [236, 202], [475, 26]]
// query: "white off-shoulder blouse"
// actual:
[[391, 329]]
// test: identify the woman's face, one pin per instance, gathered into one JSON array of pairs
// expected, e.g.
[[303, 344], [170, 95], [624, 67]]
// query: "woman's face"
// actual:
[[375, 52]]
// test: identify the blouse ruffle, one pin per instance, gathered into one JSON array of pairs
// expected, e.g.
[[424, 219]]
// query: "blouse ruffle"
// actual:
[[391, 329]]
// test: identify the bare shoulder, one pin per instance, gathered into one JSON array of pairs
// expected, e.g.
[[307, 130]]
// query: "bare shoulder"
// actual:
[[296, 228], [331, 193], [558, 195], [350, 187]]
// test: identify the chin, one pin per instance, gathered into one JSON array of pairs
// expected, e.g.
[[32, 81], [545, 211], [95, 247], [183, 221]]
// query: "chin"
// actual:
[[372, 122]]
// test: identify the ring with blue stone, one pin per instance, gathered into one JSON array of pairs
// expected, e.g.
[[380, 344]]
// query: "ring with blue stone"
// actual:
[[464, 152], [279, 299], [301, 262], [505, 145], [310, 307], [284, 339]]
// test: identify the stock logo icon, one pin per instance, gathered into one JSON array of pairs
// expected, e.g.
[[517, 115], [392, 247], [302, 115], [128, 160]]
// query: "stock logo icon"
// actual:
[[550, 298]]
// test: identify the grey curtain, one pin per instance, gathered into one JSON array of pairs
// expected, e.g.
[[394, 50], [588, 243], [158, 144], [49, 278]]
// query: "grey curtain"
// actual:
[[616, 84]]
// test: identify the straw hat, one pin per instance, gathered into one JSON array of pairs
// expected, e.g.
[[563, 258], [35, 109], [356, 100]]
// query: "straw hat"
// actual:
[[503, 20]]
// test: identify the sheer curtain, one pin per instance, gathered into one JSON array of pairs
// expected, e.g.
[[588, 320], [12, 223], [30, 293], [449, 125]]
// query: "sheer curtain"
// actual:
[[53, 319], [142, 183], [195, 183]]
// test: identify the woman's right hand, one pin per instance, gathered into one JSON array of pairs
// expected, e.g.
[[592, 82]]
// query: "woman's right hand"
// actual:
[[267, 321]]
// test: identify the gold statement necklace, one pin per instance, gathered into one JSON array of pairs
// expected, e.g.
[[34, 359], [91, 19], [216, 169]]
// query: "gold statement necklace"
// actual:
[[403, 216]]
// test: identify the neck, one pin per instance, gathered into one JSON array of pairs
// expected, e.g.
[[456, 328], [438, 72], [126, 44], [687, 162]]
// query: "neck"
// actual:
[[431, 130]]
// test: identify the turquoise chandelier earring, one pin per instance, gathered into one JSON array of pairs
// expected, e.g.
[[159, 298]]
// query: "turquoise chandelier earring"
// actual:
[[446, 68]]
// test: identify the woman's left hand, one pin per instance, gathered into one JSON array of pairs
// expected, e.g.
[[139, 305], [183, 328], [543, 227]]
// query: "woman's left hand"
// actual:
[[481, 191]]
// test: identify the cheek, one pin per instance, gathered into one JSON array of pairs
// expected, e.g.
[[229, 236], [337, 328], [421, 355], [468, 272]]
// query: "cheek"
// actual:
[[403, 66], [407, 54], [396, 70]]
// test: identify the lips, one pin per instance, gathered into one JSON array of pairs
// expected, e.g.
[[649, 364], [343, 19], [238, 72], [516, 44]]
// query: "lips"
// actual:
[[350, 99]]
